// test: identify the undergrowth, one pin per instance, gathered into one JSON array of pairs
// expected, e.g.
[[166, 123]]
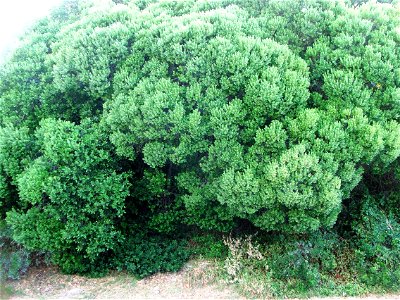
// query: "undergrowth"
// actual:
[[14, 258], [320, 264]]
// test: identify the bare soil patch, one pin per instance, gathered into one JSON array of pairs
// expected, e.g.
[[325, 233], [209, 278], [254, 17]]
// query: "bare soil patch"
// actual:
[[193, 282]]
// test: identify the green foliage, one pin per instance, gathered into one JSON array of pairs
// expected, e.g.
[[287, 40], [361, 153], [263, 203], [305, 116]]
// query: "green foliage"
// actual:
[[71, 195], [208, 246], [144, 255], [81, 63], [378, 253], [209, 108], [14, 259], [304, 262], [268, 266], [170, 115]]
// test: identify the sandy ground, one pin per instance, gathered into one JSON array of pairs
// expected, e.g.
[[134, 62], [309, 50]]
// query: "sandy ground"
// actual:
[[193, 282]]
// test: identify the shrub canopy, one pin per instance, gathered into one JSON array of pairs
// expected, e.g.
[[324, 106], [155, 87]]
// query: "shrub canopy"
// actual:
[[208, 113]]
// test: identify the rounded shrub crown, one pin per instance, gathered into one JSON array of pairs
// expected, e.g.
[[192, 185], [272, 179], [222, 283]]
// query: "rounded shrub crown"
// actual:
[[208, 113]]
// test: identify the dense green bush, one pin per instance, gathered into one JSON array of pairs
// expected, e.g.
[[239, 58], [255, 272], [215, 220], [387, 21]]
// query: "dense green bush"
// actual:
[[208, 246], [124, 117], [72, 197], [144, 255]]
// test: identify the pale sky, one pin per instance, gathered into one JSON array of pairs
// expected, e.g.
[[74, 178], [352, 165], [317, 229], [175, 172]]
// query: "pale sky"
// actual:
[[17, 15]]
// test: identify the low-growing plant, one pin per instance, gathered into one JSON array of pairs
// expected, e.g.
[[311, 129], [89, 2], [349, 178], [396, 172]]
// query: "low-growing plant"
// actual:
[[247, 268], [144, 255], [378, 245], [14, 258], [6, 291], [304, 260], [312, 265]]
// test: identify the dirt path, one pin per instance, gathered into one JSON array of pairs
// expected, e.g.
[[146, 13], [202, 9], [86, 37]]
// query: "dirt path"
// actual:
[[194, 282]]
